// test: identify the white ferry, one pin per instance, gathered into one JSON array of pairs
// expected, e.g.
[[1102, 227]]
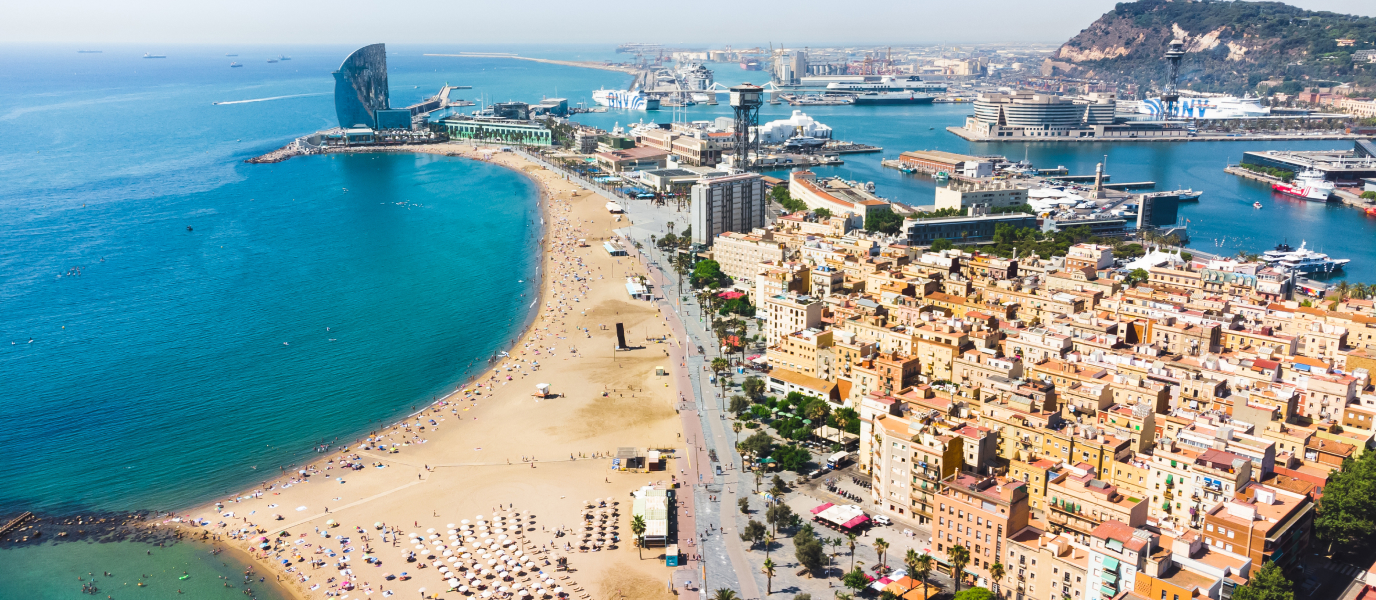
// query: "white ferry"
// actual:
[[888, 83], [1206, 108], [1309, 185], [633, 100]]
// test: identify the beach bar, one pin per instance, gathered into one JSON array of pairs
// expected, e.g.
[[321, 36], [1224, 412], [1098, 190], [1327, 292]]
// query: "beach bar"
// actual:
[[653, 506]]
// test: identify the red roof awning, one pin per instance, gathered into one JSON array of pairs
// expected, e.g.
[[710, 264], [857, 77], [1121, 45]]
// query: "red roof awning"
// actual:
[[855, 522], [822, 508]]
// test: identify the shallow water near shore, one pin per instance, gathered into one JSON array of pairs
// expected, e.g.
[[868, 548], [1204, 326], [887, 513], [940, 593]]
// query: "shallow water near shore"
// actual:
[[58, 571]]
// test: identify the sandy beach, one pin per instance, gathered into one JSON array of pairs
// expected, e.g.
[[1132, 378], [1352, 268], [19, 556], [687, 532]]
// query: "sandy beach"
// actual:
[[492, 448]]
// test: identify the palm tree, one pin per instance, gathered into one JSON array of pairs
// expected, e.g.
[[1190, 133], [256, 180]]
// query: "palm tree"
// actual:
[[1344, 289], [959, 557], [725, 594], [881, 546], [844, 596], [816, 412], [919, 567], [638, 529], [759, 478], [996, 573], [850, 542], [768, 571], [720, 366], [736, 427]]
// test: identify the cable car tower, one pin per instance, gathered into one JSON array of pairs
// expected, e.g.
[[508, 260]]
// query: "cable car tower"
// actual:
[[1170, 94]]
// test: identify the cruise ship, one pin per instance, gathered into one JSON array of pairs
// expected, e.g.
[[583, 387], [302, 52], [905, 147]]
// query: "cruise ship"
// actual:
[[888, 83], [633, 100], [1206, 108], [1303, 260], [892, 97]]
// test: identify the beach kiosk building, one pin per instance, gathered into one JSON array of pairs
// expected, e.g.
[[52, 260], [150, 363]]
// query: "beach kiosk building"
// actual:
[[654, 505]]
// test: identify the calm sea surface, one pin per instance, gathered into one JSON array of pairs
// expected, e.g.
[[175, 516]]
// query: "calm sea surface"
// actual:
[[315, 298]]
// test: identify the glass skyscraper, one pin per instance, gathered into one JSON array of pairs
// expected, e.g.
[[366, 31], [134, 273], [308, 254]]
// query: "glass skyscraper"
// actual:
[[360, 87]]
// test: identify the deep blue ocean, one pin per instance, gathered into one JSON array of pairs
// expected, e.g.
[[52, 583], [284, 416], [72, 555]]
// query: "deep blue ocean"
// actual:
[[193, 317]]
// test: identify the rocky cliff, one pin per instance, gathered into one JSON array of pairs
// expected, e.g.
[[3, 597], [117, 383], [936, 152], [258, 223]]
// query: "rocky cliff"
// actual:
[[1230, 46]]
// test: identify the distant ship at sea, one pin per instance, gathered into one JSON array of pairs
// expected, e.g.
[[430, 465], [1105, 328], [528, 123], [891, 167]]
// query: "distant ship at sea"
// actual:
[[272, 60], [89, 51], [235, 65], [231, 55], [147, 55], [283, 57]]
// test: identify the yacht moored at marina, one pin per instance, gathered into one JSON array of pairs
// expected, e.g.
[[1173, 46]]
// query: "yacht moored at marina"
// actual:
[[1309, 185], [1303, 260]]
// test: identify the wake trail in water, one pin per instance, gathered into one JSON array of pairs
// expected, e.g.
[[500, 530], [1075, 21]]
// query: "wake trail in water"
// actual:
[[272, 98]]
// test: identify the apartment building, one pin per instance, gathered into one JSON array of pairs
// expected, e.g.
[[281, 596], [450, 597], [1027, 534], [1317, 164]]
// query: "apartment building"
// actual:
[[1262, 523], [740, 254], [979, 513], [787, 313]]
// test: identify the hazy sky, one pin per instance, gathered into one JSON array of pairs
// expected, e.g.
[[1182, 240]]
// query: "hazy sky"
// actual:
[[699, 22]]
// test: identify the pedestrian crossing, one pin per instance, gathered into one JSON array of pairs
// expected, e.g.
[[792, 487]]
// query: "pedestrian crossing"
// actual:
[[1347, 570]]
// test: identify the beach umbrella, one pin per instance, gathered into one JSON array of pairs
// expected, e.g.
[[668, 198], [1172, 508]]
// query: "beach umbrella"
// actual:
[[451, 525], [430, 530], [420, 546], [377, 525], [330, 523], [464, 521], [487, 593], [421, 590], [453, 583]]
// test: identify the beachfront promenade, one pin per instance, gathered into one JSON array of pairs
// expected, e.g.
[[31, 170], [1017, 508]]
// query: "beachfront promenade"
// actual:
[[725, 556]]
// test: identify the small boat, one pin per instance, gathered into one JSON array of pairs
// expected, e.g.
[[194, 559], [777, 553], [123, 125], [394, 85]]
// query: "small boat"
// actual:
[[1256, 205], [147, 55], [235, 65], [188, 228], [272, 60], [283, 57], [1371, 211], [231, 55]]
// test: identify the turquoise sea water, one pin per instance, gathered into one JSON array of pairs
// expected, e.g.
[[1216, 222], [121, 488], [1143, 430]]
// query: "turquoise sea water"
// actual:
[[167, 363], [58, 571]]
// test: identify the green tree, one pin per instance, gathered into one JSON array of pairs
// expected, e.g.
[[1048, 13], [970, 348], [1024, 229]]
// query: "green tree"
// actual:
[[744, 504], [778, 514], [724, 594], [1268, 583], [721, 366], [808, 549], [757, 445], [883, 221], [736, 427], [1137, 276], [753, 387], [1346, 516], [855, 580], [958, 556], [638, 529], [940, 244], [753, 532], [974, 593], [707, 273], [739, 404], [768, 570], [822, 213]]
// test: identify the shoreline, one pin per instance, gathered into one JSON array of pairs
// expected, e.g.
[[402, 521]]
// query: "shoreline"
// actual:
[[552, 203], [542, 207]]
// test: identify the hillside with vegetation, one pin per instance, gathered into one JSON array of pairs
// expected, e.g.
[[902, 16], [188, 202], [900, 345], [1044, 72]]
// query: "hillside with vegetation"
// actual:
[[1230, 46]]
